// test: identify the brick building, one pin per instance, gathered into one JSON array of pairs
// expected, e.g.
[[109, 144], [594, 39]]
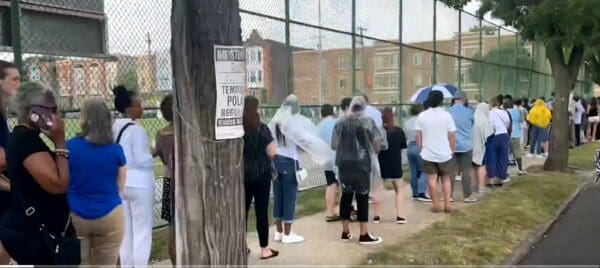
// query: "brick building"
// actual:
[[326, 76], [266, 69]]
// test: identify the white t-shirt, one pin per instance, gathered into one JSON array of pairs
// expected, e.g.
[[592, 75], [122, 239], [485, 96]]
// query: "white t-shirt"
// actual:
[[434, 124], [375, 114], [500, 121], [578, 113]]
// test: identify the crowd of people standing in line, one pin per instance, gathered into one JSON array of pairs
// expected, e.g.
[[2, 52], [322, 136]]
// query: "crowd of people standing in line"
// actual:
[[85, 200], [366, 149], [98, 187]]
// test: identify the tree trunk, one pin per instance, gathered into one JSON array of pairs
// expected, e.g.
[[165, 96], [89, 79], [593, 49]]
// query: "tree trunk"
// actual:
[[209, 215], [565, 76]]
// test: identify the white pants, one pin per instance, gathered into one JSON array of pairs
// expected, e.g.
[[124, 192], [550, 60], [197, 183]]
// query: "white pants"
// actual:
[[138, 206]]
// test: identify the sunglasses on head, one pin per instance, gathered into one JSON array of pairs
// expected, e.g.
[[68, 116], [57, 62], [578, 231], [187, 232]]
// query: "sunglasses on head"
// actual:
[[53, 109]]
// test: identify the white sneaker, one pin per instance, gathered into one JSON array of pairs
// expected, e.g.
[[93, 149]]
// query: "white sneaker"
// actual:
[[530, 155], [277, 236], [292, 238], [522, 172], [470, 199], [539, 156]]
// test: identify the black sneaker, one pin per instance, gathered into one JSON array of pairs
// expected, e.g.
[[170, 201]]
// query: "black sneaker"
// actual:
[[346, 236], [368, 239], [376, 219], [424, 198], [400, 220]]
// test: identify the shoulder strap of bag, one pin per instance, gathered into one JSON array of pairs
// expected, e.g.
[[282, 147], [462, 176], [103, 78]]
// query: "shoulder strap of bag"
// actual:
[[123, 130], [31, 212]]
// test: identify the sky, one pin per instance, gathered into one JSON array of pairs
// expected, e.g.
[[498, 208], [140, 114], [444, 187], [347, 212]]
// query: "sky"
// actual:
[[130, 22]]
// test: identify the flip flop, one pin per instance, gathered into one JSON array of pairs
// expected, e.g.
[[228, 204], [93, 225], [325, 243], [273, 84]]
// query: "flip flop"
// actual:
[[274, 253]]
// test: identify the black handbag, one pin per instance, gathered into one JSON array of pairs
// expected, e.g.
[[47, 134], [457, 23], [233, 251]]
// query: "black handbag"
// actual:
[[64, 248]]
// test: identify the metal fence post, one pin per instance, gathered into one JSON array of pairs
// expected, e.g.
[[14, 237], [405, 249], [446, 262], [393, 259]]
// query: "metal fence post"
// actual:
[[288, 54], [434, 78], [515, 81], [532, 65], [400, 54], [459, 49], [353, 73], [500, 69], [481, 58], [15, 24]]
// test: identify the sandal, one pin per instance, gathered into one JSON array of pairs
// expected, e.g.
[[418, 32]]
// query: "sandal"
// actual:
[[436, 209], [274, 253]]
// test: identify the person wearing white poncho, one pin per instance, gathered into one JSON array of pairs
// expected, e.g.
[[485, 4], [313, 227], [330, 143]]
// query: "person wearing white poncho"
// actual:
[[357, 141], [292, 131]]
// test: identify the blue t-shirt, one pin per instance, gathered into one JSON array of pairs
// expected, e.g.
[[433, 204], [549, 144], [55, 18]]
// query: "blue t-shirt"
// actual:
[[463, 119], [93, 169], [515, 114], [326, 132]]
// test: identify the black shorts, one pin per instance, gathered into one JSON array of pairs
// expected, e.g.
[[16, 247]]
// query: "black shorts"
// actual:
[[330, 178]]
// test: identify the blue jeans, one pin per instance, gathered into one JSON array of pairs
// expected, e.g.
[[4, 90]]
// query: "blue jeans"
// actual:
[[418, 180], [536, 139], [285, 189]]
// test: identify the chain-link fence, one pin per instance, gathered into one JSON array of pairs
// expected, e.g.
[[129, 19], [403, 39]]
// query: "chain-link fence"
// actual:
[[321, 50]]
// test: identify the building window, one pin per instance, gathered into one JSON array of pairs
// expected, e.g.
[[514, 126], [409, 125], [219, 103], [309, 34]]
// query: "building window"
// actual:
[[418, 80], [394, 81], [431, 59], [379, 81], [259, 76], [79, 79], [259, 56], [95, 77], [379, 61], [463, 77], [34, 73], [394, 59], [252, 77], [418, 59], [342, 63], [342, 83]]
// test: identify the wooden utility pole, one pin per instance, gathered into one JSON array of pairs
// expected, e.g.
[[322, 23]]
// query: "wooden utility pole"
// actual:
[[210, 225]]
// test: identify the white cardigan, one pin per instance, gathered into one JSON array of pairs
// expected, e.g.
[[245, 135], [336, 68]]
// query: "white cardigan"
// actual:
[[135, 145]]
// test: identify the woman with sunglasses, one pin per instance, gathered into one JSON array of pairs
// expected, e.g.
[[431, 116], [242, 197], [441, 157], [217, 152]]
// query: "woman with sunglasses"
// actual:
[[138, 193], [39, 178]]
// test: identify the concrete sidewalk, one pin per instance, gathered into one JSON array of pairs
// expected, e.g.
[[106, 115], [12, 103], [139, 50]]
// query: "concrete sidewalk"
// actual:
[[322, 245]]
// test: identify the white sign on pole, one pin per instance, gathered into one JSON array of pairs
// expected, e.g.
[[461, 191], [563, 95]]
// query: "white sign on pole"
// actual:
[[230, 78]]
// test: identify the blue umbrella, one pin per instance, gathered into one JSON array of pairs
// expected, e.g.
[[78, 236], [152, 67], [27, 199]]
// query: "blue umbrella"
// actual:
[[421, 95]]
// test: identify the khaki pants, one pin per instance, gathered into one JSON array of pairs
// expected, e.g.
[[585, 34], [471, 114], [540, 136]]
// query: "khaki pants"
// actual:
[[100, 238]]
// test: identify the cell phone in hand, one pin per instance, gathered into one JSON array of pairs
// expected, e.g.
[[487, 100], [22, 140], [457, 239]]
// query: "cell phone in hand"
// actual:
[[41, 117]]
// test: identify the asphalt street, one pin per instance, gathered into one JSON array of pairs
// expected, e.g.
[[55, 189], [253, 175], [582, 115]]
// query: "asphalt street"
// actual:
[[575, 238]]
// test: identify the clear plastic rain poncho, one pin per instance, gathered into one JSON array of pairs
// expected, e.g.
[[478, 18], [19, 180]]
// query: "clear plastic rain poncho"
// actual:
[[300, 131], [357, 141]]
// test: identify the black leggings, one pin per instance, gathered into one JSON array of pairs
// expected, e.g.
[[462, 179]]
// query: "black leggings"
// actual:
[[362, 203], [259, 190]]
